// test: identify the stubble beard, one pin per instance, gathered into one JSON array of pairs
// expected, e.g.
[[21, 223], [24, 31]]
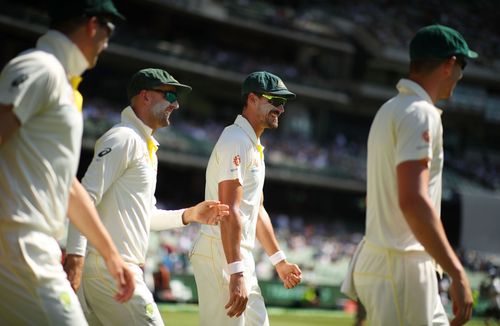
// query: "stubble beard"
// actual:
[[161, 115]]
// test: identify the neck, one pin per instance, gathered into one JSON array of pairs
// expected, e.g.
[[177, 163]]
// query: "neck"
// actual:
[[252, 119], [429, 84]]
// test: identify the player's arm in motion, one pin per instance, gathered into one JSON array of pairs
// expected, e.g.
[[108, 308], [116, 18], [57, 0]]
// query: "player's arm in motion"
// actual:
[[290, 274], [83, 215], [414, 201], [231, 193]]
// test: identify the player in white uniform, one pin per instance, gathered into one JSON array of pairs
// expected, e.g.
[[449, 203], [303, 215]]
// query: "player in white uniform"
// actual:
[[222, 257], [394, 274], [121, 181], [40, 138]]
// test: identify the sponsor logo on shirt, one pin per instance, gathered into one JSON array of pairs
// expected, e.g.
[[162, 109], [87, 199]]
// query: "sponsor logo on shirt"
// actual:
[[105, 151], [19, 80]]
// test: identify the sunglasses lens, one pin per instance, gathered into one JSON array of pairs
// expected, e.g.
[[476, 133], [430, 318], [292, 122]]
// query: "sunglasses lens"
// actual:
[[171, 96], [277, 101]]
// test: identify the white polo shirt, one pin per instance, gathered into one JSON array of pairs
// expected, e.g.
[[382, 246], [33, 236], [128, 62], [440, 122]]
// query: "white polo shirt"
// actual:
[[121, 181], [39, 161], [406, 128], [236, 156]]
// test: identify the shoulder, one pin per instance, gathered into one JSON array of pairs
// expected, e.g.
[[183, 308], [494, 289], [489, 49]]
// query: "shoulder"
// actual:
[[33, 65], [120, 135], [233, 138]]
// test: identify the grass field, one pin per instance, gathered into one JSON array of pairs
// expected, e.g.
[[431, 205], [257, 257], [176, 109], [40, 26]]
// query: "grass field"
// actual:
[[187, 315]]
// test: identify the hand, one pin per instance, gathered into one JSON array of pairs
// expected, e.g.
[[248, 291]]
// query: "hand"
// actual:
[[206, 212], [290, 274], [461, 297], [123, 276], [238, 296], [73, 266]]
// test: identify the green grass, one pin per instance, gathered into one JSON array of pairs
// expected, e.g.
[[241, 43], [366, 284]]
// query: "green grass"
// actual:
[[187, 315]]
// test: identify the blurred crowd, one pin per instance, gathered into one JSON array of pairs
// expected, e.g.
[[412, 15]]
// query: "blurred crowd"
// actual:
[[476, 19], [344, 156]]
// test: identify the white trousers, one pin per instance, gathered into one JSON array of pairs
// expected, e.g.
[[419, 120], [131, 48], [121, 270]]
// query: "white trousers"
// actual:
[[97, 293], [212, 281], [398, 288], [33, 285]]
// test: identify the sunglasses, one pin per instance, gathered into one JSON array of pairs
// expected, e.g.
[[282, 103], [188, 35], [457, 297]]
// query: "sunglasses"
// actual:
[[274, 100], [169, 95], [108, 25]]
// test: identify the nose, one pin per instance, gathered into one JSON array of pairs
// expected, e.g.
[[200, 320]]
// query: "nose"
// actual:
[[174, 105], [281, 108]]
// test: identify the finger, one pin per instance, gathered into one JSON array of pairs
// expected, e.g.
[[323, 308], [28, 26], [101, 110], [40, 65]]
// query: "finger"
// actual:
[[459, 318], [229, 303], [468, 312], [127, 289]]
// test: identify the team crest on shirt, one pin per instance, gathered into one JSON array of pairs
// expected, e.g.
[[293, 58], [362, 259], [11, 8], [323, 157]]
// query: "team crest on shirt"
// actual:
[[236, 160], [426, 136]]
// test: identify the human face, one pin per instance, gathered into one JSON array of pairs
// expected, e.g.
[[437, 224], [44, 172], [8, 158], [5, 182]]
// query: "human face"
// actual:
[[270, 108], [457, 66], [103, 29], [161, 108]]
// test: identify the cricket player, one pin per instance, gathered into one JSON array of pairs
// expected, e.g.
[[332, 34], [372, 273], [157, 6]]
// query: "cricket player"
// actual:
[[222, 259], [394, 273], [121, 181], [40, 139]]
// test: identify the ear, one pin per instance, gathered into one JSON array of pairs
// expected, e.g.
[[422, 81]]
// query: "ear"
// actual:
[[448, 66], [253, 98], [145, 96], [92, 26]]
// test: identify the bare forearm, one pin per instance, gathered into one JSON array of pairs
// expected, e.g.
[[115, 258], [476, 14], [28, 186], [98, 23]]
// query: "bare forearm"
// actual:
[[231, 236], [84, 216], [265, 233], [429, 231]]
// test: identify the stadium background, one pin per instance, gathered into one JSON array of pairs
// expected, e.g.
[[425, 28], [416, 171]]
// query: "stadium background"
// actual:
[[342, 58]]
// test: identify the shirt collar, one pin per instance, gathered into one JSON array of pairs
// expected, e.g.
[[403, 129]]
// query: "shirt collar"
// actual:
[[243, 123], [70, 56], [129, 117], [406, 86]]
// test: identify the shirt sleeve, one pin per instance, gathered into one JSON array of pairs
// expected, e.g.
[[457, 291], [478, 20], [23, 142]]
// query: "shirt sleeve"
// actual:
[[415, 133], [27, 87], [162, 219], [232, 157], [77, 242], [112, 154]]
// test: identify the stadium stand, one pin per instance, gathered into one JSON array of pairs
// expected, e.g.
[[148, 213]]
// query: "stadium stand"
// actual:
[[341, 58]]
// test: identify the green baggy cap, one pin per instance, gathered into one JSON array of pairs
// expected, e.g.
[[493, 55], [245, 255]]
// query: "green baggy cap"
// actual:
[[151, 78], [439, 42], [263, 82], [61, 10]]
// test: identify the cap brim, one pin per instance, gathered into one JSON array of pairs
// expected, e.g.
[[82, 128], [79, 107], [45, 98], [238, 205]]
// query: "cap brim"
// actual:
[[284, 93], [472, 55], [181, 88]]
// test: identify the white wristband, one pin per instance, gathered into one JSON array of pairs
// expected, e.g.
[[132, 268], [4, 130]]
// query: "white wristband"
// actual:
[[236, 267], [277, 257]]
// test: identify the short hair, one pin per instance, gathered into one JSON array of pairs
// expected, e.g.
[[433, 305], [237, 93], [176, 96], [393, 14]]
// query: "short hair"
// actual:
[[244, 100], [425, 65], [68, 26]]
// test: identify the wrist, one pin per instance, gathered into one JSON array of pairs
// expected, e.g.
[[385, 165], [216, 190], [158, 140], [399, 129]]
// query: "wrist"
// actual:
[[236, 267], [186, 216], [277, 257]]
